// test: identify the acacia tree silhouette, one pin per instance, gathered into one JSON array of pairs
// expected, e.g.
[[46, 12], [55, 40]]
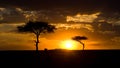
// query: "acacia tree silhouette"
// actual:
[[36, 28], [78, 38]]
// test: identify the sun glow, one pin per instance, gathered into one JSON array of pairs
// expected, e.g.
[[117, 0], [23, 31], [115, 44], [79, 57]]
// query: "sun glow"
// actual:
[[69, 44]]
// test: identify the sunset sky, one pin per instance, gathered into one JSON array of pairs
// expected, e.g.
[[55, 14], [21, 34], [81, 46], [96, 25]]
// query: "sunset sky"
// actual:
[[98, 20]]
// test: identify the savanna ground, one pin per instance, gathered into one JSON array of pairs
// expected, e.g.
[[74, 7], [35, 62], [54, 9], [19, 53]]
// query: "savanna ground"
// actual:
[[61, 59]]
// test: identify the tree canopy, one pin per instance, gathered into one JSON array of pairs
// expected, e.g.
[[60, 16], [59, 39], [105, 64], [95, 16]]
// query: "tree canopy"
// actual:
[[36, 27], [78, 38]]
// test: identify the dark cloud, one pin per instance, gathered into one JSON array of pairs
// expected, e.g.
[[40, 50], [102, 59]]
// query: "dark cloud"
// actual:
[[11, 15], [56, 11], [82, 5], [106, 27], [18, 15]]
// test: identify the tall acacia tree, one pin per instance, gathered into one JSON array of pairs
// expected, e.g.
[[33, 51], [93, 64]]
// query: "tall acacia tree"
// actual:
[[36, 28], [79, 38]]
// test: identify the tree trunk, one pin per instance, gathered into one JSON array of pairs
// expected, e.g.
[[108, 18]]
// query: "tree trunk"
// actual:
[[83, 45], [37, 42]]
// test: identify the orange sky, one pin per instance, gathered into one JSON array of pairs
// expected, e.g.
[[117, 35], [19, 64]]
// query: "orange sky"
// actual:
[[18, 41], [101, 34]]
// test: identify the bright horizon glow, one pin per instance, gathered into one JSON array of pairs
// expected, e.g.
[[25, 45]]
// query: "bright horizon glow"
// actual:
[[69, 44]]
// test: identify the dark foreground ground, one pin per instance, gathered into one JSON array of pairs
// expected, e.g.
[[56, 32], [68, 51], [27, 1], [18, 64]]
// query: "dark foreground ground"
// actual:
[[61, 59]]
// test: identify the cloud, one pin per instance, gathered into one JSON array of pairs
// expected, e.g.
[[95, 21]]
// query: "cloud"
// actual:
[[83, 17], [67, 26], [11, 15], [105, 27], [8, 28], [1, 15], [110, 17], [19, 15], [60, 15], [15, 15], [116, 39], [35, 15]]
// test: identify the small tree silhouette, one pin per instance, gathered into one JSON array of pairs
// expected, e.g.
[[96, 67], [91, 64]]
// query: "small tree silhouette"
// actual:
[[78, 38], [36, 28]]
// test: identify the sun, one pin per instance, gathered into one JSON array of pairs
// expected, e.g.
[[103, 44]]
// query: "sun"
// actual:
[[68, 44]]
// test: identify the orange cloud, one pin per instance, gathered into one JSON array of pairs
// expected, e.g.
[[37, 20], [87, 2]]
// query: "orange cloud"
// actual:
[[83, 17]]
